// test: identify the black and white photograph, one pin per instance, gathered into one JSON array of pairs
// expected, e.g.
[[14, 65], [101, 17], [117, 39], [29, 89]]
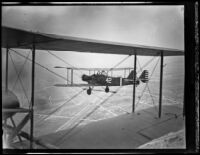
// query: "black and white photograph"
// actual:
[[93, 77]]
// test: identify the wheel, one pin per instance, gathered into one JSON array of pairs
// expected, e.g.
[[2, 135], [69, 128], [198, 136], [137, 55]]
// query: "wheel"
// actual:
[[89, 91], [107, 89]]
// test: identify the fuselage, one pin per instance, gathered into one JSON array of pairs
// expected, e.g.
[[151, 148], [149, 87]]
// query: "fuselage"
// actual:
[[103, 80]]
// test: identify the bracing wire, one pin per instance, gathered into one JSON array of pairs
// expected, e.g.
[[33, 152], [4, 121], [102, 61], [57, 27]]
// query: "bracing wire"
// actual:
[[20, 71], [41, 66], [152, 98], [19, 77], [89, 114], [79, 69], [59, 107], [119, 63], [149, 78], [65, 62], [102, 102], [127, 58], [148, 88], [147, 63]]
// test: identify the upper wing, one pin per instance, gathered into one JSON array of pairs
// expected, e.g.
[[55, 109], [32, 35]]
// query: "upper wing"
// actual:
[[16, 38], [95, 69]]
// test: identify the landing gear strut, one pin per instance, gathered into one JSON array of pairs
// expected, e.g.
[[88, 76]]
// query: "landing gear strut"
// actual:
[[89, 91], [107, 89]]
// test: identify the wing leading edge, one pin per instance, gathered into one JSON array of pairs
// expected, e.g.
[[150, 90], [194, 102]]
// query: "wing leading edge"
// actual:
[[16, 38]]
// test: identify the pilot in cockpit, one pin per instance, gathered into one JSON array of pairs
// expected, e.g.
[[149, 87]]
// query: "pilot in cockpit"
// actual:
[[102, 73]]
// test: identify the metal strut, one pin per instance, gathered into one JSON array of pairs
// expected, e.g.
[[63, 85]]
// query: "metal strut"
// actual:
[[6, 88], [32, 96], [161, 82], [134, 79], [67, 76], [71, 76], [125, 73]]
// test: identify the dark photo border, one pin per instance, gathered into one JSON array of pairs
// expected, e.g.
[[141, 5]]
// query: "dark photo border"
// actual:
[[191, 90]]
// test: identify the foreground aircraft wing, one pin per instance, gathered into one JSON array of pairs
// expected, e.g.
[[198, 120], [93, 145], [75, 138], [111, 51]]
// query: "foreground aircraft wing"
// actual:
[[17, 38]]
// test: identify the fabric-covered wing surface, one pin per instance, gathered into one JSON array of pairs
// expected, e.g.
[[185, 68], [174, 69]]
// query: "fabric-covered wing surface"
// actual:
[[15, 38]]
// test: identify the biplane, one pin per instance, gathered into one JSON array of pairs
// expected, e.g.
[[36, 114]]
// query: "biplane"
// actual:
[[101, 78], [13, 38]]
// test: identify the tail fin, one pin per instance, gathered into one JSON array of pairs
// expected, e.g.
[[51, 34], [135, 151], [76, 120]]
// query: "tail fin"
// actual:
[[144, 76], [130, 76]]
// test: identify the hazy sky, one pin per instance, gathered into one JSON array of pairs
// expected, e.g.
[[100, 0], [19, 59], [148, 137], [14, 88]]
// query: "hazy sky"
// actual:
[[161, 26]]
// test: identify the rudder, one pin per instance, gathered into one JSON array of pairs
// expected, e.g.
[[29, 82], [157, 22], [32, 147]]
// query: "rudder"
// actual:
[[144, 77]]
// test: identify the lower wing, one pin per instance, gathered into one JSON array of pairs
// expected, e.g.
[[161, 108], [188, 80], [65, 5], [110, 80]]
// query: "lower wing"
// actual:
[[76, 85]]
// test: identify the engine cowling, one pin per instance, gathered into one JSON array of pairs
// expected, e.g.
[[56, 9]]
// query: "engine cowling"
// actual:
[[86, 78]]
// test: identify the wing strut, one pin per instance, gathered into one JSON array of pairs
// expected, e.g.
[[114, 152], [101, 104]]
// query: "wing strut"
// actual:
[[71, 76], [161, 82], [124, 73], [32, 96], [134, 79], [7, 50], [67, 76]]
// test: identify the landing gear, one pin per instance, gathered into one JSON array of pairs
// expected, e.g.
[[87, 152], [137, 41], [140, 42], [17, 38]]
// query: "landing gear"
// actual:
[[107, 89], [89, 91]]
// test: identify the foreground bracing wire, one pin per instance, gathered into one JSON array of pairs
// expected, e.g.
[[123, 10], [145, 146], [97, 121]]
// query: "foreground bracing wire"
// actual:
[[65, 62], [62, 77], [147, 86], [85, 117], [20, 71], [21, 83], [146, 83]]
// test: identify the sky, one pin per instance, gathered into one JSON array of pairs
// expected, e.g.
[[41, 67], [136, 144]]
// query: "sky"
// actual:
[[160, 26]]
